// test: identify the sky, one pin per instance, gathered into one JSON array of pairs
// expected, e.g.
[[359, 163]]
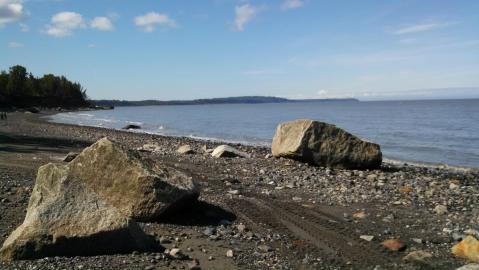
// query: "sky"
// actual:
[[164, 49]]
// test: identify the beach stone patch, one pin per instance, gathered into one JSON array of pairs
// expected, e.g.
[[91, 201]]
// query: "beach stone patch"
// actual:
[[228, 151], [323, 144], [65, 218], [140, 188]]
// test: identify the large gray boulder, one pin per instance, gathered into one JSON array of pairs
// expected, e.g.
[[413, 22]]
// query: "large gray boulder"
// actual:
[[66, 218], [141, 189], [323, 144]]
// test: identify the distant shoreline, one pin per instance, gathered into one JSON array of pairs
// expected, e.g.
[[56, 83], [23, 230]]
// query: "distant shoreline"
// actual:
[[227, 100]]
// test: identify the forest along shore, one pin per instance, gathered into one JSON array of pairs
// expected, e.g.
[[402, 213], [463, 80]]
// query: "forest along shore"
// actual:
[[261, 212]]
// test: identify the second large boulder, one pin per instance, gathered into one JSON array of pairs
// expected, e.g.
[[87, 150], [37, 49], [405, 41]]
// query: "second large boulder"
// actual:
[[139, 188], [323, 144]]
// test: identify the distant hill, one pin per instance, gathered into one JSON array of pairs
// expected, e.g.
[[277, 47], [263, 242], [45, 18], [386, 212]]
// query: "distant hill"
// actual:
[[227, 100]]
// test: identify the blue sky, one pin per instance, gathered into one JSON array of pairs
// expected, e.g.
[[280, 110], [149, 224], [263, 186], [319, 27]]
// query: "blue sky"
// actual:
[[160, 49]]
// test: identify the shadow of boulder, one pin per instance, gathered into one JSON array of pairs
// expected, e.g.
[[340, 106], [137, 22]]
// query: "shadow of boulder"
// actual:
[[198, 213]]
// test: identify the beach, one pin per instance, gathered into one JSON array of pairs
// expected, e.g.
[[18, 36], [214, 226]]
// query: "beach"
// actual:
[[272, 213]]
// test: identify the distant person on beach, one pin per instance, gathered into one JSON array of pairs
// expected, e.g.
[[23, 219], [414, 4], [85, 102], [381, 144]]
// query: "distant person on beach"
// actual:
[[3, 116]]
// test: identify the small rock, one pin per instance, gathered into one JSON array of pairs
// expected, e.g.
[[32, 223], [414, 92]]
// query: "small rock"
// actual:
[[417, 240], [453, 186], [131, 126], [209, 231], [228, 151], [471, 266], [394, 244], [241, 228], [405, 189], [359, 214], [368, 238], [233, 192], [164, 240], [185, 150], [417, 256], [440, 209], [229, 253], [194, 265], [467, 249], [265, 248], [176, 253]]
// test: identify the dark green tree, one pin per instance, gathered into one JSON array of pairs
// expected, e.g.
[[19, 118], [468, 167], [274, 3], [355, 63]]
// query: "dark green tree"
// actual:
[[16, 81], [3, 83], [19, 88]]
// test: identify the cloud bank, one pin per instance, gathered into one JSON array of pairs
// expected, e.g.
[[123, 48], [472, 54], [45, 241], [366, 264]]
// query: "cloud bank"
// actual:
[[102, 24], [64, 23], [151, 20], [292, 4], [244, 14], [10, 11]]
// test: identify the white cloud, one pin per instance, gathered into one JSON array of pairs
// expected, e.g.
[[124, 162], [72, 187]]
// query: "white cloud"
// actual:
[[24, 27], [102, 24], [14, 44], [322, 93], [149, 21], [292, 4], [64, 23], [10, 11], [422, 27], [244, 14]]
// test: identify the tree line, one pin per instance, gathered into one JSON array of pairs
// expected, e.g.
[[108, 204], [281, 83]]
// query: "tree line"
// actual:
[[20, 89]]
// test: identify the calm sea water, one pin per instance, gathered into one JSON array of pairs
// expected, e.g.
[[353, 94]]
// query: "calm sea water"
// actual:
[[437, 132]]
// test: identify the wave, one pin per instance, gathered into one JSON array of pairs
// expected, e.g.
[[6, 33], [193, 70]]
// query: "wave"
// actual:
[[431, 165]]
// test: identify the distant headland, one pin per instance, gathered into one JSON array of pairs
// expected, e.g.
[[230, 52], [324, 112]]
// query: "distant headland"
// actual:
[[226, 100]]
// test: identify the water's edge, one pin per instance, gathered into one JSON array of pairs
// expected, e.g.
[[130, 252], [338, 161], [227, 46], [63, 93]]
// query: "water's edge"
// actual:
[[386, 160]]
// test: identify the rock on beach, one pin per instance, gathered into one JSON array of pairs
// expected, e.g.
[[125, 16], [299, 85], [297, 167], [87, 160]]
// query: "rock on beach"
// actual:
[[323, 144], [65, 218], [139, 188], [228, 151], [90, 205]]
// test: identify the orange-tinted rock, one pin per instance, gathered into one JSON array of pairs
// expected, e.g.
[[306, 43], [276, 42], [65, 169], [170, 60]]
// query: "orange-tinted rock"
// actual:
[[405, 189], [467, 249], [394, 244]]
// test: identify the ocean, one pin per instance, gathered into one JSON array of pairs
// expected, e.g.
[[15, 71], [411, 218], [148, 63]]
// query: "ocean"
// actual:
[[430, 132]]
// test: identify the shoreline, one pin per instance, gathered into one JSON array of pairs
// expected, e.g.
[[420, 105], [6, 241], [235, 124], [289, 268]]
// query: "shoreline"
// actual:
[[386, 160], [293, 208]]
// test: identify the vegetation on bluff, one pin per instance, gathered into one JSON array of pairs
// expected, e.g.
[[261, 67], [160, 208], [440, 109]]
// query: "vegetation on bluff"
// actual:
[[19, 88]]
